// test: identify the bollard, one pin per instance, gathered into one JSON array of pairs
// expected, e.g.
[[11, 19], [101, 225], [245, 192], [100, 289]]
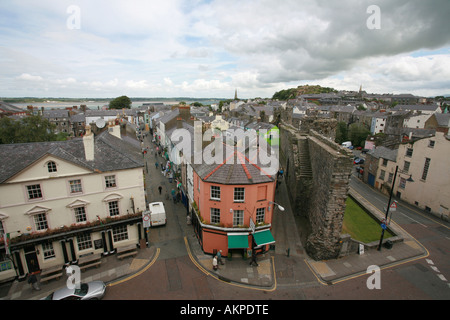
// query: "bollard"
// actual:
[[288, 251]]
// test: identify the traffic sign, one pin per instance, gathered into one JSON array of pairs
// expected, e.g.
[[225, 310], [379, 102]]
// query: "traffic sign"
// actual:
[[146, 219], [393, 206]]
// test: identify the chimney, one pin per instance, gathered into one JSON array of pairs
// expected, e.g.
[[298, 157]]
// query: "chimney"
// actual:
[[185, 112], [88, 142], [179, 123], [114, 128]]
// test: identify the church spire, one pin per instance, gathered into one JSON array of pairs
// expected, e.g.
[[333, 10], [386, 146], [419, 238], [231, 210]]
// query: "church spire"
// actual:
[[235, 94]]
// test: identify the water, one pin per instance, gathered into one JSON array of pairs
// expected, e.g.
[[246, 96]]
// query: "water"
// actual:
[[98, 104]]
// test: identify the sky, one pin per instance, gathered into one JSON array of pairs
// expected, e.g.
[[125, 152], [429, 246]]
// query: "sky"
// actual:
[[209, 49]]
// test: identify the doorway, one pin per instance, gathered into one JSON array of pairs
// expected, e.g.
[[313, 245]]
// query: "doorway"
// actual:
[[31, 259]]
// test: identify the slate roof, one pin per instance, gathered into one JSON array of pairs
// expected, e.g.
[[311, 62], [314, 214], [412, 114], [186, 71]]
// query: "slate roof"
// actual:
[[235, 168], [7, 107], [110, 154], [385, 153]]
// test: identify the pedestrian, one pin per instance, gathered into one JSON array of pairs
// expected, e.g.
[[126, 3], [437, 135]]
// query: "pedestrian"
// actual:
[[219, 257], [156, 164], [173, 196], [215, 266], [34, 282], [253, 262], [160, 189]]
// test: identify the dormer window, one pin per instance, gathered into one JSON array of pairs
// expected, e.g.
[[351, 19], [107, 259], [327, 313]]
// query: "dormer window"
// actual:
[[51, 166]]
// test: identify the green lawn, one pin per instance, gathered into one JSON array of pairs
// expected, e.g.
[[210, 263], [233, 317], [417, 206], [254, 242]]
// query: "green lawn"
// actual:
[[360, 225]]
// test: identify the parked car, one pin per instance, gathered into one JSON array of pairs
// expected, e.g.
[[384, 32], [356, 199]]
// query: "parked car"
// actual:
[[359, 161], [88, 291]]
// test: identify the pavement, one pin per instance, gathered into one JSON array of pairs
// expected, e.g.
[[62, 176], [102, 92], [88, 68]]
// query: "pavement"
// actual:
[[285, 265]]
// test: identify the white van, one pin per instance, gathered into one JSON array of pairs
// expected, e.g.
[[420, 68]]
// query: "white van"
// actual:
[[347, 144], [157, 214]]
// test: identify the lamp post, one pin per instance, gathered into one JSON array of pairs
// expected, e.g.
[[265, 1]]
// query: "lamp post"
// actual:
[[389, 204], [279, 207]]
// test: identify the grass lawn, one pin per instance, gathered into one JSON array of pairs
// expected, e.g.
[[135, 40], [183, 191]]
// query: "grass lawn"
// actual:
[[360, 225]]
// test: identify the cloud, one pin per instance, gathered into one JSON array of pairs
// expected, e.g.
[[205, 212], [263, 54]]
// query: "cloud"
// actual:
[[210, 48], [29, 77]]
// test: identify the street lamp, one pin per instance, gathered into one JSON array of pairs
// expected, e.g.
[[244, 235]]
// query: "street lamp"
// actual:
[[389, 205], [279, 207]]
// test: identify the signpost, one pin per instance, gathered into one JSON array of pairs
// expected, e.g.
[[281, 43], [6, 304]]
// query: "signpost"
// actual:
[[146, 219], [252, 225]]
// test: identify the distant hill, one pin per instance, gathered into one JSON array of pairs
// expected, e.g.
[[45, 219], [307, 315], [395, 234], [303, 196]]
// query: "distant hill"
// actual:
[[306, 89]]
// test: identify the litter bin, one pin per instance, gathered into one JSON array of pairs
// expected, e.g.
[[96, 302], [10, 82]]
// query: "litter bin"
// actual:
[[388, 244]]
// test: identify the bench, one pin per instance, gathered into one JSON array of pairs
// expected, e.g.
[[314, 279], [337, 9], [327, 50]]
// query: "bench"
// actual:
[[127, 251], [51, 273], [93, 260]]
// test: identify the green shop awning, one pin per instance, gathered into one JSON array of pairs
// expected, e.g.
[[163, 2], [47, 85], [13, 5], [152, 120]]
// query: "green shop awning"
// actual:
[[237, 240], [263, 237]]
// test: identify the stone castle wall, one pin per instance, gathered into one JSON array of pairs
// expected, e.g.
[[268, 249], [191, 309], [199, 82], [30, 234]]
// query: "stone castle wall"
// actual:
[[317, 190], [331, 170]]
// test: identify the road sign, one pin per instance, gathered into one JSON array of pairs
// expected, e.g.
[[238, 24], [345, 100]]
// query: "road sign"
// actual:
[[146, 220], [383, 226], [252, 225], [393, 206]]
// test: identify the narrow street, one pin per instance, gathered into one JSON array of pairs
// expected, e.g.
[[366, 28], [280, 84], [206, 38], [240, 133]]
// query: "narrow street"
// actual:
[[175, 277]]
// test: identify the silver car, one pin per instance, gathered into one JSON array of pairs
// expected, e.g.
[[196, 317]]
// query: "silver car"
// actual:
[[88, 291]]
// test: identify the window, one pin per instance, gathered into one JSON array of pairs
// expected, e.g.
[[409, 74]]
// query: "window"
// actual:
[[239, 194], [260, 215], [215, 215], [75, 186], [382, 174], [51, 166], [406, 166], [113, 207], [426, 166], [40, 221], [80, 214], [385, 161], [409, 152], [48, 251], [238, 218], [431, 144], [391, 176], [34, 191], [215, 193], [402, 183], [120, 233], [84, 241], [110, 181]]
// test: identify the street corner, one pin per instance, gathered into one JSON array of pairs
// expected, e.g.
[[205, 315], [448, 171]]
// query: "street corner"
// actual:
[[321, 269]]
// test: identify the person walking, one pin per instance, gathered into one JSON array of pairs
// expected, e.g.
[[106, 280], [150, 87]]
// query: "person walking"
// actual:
[[33, 281], [219, 257], [215, 266], [160, 189], [253, 262], [174, 196]]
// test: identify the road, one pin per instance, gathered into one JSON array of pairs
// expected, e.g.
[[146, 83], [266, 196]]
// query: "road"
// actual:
[[432, 274], [174, 277]]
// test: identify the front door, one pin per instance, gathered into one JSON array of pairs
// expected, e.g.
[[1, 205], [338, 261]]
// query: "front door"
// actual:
[[31, 259]]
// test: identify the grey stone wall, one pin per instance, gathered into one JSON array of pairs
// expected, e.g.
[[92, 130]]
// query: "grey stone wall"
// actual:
[[317, 189], [331, 170]]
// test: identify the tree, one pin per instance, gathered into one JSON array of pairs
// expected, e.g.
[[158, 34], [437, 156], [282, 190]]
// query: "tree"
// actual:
[[120, 103], [341, 132], [29, 129], [357, 134]]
